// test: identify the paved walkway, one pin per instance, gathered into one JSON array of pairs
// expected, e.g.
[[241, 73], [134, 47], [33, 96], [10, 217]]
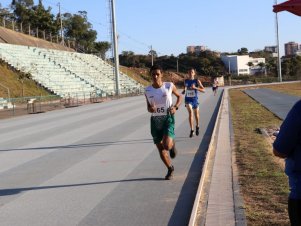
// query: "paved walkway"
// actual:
[[276, 102]]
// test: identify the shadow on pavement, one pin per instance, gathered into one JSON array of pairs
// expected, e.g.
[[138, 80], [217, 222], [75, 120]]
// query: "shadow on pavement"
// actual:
[[98, 144], [14, 191]]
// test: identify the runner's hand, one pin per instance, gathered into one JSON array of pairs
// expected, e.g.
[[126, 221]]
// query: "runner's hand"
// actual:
[[202, 90], [172, 110], [151, 108]]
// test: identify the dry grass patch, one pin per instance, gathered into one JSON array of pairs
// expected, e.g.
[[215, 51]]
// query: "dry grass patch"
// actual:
[[10, 79], [264, 185]]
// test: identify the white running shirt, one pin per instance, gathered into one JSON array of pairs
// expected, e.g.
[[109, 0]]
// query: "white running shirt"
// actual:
[[161, 98]]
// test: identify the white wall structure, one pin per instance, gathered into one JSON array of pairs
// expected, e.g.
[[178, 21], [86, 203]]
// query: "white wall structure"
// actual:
[[239, 65]]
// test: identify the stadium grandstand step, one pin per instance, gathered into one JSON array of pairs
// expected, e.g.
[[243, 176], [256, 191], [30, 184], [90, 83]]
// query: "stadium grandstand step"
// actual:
[[67, 73]]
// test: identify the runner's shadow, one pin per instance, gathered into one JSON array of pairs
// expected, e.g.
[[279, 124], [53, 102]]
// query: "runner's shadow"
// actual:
[[15, 191], [89, 145]]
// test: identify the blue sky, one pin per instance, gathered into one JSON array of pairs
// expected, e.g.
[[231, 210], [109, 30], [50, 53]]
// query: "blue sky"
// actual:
[[171, 25]]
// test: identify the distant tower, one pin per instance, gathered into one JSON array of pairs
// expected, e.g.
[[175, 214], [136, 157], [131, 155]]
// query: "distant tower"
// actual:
[[291, 48]]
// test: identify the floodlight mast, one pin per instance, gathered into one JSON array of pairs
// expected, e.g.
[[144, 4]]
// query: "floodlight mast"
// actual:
[[278, 50], [116, 57], [61, 22]]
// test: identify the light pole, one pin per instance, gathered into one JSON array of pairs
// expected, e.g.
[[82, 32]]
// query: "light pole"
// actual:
[[177, 64], [61, 22], [229, 66], [278, 49], [116, 57], [152, 54]]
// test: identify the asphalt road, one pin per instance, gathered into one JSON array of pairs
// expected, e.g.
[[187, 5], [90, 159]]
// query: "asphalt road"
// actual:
[[97, 165]]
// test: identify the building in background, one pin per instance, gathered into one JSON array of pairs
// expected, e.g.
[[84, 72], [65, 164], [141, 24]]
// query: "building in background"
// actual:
[[243, 65], [271, 49], [291, 48], [196, 49]]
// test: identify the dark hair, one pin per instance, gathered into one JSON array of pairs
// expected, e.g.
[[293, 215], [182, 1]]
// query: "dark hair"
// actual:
[[191, 68], [155, 67]]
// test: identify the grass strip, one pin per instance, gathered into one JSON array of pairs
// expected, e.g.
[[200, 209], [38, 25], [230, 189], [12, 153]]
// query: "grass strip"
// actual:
[[264, 185]]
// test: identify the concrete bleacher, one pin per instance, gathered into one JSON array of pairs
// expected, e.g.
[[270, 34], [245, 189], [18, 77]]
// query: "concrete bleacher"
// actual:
[[67, 74], [4, 104]]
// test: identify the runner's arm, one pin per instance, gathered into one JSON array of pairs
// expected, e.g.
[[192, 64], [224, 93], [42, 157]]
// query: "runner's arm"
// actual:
[[200, 84], [184, 90], [179, 99], [200, 87], [150, 108]]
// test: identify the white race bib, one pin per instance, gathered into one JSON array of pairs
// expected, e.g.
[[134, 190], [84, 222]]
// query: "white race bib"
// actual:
[[190, 93], [161, 109]]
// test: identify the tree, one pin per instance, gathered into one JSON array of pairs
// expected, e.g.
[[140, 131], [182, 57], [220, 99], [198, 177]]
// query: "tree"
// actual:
[[77, 27], [262, 66], [43, 19], [22, 12], [250, 64], [5, 13], [26, 3], [101, 48], [243, 51]]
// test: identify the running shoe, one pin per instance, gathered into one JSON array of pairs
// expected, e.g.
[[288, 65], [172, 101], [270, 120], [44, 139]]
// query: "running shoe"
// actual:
[[173, 151], [169, 174], [191, 133], [197, 132]]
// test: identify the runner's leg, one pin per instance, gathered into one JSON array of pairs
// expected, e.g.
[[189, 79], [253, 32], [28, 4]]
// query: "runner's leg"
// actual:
[[163, 150], [164, 154], [197, 119], [190, 118]]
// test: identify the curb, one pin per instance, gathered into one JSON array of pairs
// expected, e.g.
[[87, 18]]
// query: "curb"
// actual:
[[210, 153]]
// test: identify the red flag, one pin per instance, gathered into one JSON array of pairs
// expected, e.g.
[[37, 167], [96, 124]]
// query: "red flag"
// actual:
[[292, 6]]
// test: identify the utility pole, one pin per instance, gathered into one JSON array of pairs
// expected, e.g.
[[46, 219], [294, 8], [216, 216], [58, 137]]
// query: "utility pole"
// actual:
[[278, 49], [229, 66], [61, 21], [152, 54], [116, 57], [177, 64]]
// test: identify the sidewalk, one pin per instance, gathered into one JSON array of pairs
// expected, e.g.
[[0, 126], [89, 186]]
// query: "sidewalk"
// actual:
[[224, 206], [276, 102]]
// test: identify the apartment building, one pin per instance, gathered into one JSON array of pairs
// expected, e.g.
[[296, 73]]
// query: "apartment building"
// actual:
[[291, 48], [195, 49], [243, 65]]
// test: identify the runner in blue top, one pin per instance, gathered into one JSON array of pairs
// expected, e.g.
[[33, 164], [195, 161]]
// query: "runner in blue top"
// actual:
[[288, 145], [191, 88]]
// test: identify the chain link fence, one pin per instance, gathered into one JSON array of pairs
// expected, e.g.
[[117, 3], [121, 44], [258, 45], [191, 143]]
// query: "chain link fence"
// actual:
[[11, 107], [38, 33]]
